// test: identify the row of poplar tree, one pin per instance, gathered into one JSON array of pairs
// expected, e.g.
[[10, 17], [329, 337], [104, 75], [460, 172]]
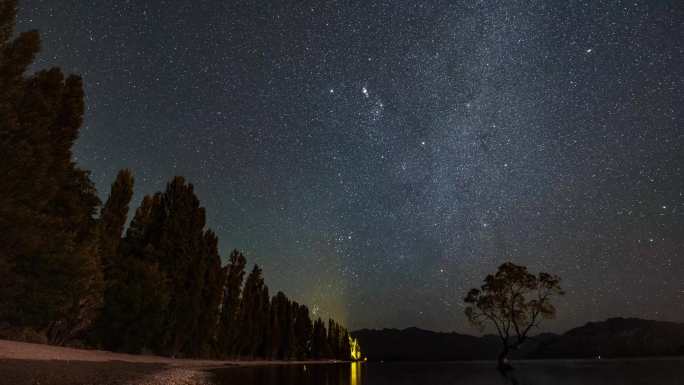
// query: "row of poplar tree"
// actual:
[[165, 289], [69, 273]]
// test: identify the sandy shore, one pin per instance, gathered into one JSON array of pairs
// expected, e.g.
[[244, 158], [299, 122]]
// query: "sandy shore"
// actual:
[[34, 364]]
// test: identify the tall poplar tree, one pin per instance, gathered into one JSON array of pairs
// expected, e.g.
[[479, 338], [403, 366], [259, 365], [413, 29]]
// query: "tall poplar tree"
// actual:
[[282, 328], [176, 241], [303, 329], [113, 217], [319, 342], [253, 318], [204, 341], [137, 292], [49, 267], [232, 288]]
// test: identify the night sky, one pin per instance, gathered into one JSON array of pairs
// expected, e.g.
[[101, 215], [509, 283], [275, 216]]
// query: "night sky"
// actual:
[[378, 159]]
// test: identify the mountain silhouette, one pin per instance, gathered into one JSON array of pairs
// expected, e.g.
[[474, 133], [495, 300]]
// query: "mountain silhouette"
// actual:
[[612, 338]]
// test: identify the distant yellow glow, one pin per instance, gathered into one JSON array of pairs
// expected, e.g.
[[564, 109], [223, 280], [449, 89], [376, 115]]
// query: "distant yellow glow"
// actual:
[[355, 349]]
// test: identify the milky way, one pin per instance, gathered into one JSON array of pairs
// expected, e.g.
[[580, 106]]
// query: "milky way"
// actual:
[[379, 159]]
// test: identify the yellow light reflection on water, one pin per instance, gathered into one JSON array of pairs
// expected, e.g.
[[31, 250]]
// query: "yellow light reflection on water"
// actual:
[[355, 373]]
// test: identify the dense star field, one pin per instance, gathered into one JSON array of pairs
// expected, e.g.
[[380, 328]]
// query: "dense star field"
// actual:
[[380, 159]]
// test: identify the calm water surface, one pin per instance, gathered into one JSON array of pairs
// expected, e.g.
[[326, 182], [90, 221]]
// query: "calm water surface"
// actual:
[[558, 372]]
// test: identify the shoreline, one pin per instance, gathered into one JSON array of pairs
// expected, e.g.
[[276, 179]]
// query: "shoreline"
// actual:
[[30, 363]]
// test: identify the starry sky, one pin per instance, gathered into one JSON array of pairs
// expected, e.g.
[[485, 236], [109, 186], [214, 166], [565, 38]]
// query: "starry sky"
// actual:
[[379, 158]]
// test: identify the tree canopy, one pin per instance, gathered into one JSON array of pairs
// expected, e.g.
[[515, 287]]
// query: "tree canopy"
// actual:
[[50, 274], [514, 301]]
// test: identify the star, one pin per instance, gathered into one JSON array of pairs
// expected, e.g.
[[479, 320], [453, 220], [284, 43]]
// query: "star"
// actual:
[[364, 91]]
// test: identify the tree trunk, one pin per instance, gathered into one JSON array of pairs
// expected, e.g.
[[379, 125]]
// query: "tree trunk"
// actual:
[[502, 360]]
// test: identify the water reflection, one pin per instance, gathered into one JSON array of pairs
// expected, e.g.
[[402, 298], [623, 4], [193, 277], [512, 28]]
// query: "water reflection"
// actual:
[[627, 372], [355, 370], [313, 374]]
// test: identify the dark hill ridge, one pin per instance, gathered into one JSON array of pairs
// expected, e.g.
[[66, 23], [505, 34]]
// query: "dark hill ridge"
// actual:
[[615, 337], [618, 337], [415, 344]]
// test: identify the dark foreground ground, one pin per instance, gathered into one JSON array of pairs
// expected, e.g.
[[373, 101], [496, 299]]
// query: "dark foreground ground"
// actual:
[[35, 364], [24, 363], [37, 372]]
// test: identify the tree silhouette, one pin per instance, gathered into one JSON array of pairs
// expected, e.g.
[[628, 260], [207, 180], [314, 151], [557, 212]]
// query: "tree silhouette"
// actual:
[[303, 329], [345, 346], [280, 332], [110, 228], [113, 217], [137, 292], [50, 276], [203, 342], [253, 319], [178, 242], [333, 338], [514, 301], [173, 258], [231, 292], [319, 343]]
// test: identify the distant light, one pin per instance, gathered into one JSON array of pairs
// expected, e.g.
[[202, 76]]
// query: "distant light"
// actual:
[[589, 50]]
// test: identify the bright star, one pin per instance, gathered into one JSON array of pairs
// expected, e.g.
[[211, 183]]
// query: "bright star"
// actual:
[[364, 91]]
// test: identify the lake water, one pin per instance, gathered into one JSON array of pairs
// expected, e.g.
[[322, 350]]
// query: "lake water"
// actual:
[[556, 372]]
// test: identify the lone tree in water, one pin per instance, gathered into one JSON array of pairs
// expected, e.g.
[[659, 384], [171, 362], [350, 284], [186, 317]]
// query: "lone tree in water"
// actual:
[[514, 301]]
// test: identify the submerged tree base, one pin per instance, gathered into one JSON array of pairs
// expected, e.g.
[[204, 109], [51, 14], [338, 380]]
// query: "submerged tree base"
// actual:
[[504, 365]]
